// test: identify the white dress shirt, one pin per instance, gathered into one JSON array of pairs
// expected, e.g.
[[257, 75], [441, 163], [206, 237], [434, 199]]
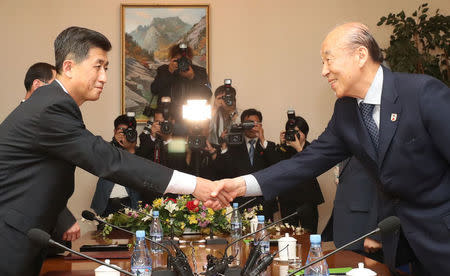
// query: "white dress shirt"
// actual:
[[373, 96]]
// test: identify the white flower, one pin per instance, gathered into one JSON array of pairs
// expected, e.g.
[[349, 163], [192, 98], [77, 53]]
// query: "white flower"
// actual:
[[170, 206], [110, 217], [147, 217]]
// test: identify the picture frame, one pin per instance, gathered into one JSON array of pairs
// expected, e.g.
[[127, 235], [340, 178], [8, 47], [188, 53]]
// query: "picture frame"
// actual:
[[147, 32]]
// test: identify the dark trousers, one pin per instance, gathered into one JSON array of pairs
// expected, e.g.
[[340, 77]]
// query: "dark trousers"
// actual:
[[405, 256], [115, 204]]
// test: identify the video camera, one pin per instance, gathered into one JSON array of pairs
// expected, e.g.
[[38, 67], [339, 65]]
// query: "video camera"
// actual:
[[291, 132], [229, 98], [235, 136], [183, 62]]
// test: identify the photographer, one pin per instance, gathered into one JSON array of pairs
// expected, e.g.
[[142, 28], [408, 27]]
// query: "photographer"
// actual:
[[292, 141], [109, 197], [201, 154], [181, 80], [247, 157], [224, 112]]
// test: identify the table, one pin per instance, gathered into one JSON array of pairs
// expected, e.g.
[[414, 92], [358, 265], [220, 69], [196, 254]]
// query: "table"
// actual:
[[59, 266]]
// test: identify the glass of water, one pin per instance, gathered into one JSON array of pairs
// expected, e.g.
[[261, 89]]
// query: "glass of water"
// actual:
[[295, 262]]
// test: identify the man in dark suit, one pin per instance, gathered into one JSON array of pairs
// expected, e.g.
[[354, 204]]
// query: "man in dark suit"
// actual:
[[67, 228], [397, 125], [248, 157], [355, 209], [44, 139]]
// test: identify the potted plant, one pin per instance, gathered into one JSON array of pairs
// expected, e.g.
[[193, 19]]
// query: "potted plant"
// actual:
[[419, 43]]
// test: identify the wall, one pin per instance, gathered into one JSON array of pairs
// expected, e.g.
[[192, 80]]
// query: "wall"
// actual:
[[269, 48]]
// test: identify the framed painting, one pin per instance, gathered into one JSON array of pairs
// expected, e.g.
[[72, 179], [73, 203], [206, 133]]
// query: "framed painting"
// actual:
[[147, 32]]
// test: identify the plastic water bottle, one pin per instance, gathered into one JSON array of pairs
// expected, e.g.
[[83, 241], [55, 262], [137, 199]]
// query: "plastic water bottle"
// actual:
[[262, 236], [141, 263], [236, 223], [156, 233], [315, 252]]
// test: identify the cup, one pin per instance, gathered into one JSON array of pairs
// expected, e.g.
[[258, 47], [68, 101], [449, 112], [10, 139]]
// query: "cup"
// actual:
[[295, 261]]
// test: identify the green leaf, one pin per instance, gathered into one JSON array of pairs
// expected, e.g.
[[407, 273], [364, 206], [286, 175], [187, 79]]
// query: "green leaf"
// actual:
[[414, 14]]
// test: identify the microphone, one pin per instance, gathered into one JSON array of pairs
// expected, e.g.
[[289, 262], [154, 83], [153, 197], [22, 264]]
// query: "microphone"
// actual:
[[242, 206], [386, 226], [42, 239], [171, 260], [264, 263]]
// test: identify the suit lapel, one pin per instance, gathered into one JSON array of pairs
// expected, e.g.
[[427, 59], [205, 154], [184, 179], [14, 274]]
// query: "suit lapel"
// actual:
[[389, 114]]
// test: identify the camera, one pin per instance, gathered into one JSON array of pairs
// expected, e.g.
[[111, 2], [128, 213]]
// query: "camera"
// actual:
[[183, 61], [290, 130], [166, 125], [229, 98], [131, 133], [196, 142], [235, 136]]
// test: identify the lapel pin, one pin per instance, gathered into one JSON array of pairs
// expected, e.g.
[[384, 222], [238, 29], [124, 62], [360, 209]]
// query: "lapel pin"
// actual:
[[393, 117]]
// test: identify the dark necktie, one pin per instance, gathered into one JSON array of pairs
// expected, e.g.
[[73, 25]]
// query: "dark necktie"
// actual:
[[366, 112], [251, 151]]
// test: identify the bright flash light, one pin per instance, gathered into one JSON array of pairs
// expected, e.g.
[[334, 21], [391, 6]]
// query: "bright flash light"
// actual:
[[196, 110]]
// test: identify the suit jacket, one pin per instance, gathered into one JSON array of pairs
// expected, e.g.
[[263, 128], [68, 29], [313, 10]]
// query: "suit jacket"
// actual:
[[355, 205], [308, 195], [103, 191], [41, 143], [411, 166], [236, 162]]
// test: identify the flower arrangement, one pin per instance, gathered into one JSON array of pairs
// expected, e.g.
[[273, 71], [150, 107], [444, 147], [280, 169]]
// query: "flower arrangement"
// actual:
[[176, 215]]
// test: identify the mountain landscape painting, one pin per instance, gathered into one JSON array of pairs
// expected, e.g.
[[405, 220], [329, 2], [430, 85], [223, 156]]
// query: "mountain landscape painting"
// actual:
[[148, 31]]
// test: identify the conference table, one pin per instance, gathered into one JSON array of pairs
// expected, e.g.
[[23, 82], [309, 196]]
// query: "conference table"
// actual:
[[72, 265]]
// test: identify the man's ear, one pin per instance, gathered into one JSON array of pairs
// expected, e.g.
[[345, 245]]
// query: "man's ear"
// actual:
[[67, 68], [362, 54], [36, 84]]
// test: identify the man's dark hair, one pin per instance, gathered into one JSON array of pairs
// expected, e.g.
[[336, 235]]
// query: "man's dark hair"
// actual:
[[41, 71], [125, 120], [75, 43], [301, 124], [250, 112], [222, 89], [176, 50], [360, 36]]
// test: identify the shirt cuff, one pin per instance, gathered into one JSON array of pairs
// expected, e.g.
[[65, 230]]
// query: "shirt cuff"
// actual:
[[253, 188], [264, 145], [181, 183]]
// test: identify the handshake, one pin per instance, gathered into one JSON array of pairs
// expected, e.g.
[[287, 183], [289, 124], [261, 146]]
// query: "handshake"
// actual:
[[218, 194]]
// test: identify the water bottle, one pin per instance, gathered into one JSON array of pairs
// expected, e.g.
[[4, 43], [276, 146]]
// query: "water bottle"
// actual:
[[141, 263], [236, 223], [262, 236], [156, 233], [315, 252]]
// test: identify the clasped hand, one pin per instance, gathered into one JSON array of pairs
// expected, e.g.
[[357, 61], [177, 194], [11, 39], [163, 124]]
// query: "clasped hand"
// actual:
[[219, 194]]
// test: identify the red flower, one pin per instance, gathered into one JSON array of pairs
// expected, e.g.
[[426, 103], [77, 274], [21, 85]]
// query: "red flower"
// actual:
[[192, 206], [171, 199]]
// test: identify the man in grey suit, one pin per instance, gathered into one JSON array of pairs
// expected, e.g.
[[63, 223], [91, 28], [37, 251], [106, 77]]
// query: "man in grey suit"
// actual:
[[44, 139]]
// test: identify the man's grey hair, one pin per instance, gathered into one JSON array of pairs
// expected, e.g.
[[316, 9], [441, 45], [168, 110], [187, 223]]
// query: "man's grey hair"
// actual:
[[359, 35]]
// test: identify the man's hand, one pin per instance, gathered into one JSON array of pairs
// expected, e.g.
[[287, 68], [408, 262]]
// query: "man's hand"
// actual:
[[371, 246], [298, 144], [72, 233], [204, 191], [260, 135], [173, 65], [229, 189]]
